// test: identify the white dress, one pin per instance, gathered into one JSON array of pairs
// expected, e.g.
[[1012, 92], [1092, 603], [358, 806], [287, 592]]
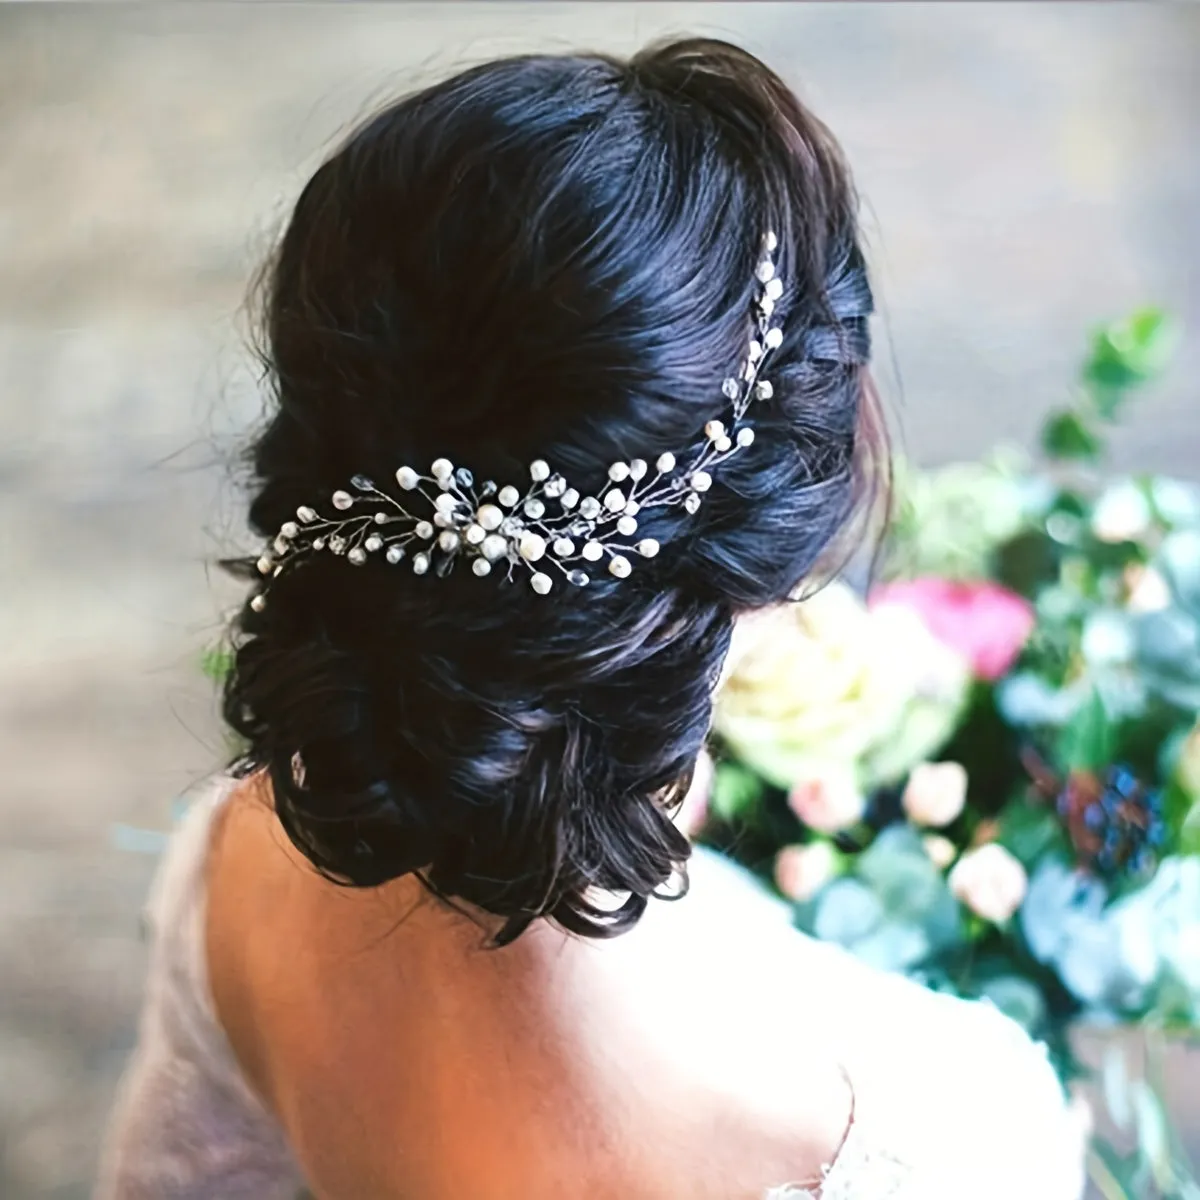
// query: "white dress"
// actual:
[[951, 1100]]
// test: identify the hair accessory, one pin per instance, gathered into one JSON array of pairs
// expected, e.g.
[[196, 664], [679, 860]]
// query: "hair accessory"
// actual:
[[439, 518]]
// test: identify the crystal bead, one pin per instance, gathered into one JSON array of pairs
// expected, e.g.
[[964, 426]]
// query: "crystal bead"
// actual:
[[580, 527], [765, 271], [618, 472], [475, 533], [531, 547], [638, 469], [494, 547], [774, 338], [407, 478], [666, 462], [357, 556], [289, 529], [306, 514], [464, 478], [342, 500], [448, 540], [745, 436], [714, 430], [763, 389], [570, 498], [373, 543], [511, 526], [593, 551], [539, 470], [619, 566], [555, 486], [363, 483], [614, 501], [691, 502], [723, 444], [564, 547], [509, 496], [534, 508], [578, 578], [487, 489], [647, 547], [424, 530], [701, 481], [730, 389], [394, 554], [774, 288], [489, 516], [627, 526], [265, 565], [541, 583], [441, 469], [420, 563], [337, 545], [481, 567], [259, 602], [589, 507]]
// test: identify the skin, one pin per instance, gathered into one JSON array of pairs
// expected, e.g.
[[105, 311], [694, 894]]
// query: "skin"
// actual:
[[406, 1059]]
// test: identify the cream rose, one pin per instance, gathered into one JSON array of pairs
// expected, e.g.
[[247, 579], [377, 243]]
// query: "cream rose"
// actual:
[[941, 850], [802, 871], [935, 793], [990, 882]]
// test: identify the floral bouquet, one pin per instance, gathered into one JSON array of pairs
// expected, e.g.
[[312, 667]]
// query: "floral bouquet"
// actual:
[[986, 773]]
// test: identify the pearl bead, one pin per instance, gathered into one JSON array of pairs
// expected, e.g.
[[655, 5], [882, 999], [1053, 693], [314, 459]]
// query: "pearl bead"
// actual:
[[774, 338], [755, 351], [357, 556], [564, 547], [745, 436], [647, 547], [265, 565], [627, 526], [424, 530], [767, 305], [723, 444], [445, 503], [394, 554], [541, 583], [593, 551], [632, 508], [441, 469], [448, 540], [420, 563], [555, 486], [381, 518], [342, 500], [289, 529], [714, 431], [619, 566], [373, 542], [319, 543], [489, 516], [763, 389], [531, 547], [494, 547], [589, 507], [481, 567], [615, 500], [765, 271], [770, 241], [666, 462], [475, 534], [509, 496], [691, 502], [443, 520], [570, 498], [306, 514], [539, 470], [534, 509], [638, 469], [407, 478], [774, 288], [701, 481], [618, 472], [259, 602]]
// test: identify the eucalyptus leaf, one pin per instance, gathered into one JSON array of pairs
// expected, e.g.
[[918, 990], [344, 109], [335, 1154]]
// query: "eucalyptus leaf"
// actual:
[[1067, 436], [1116, 1176], [735, 791], [1087, 741], [1018, 998], [1179, 558], [847, 911]]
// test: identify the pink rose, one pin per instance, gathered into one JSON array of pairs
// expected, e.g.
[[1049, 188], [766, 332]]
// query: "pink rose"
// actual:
[[693, 812], [984, 622], [830, 801], [802, 871], [990, 882]]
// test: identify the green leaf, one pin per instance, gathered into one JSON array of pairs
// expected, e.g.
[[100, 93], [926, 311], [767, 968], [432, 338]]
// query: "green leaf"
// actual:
[[736, 791], [1116, 1176], [1065, 435], [216, 662], [1018, 998], [1029, 831], [1127, 353], [1086, 742]]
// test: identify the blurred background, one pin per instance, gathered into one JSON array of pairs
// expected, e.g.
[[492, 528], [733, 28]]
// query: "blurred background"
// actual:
[[1028, 171]]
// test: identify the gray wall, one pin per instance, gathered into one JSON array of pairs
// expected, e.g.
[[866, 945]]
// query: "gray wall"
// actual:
[[1029, 170]]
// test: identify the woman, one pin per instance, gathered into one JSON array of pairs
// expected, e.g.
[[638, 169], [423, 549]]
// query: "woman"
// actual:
[[569, 360]]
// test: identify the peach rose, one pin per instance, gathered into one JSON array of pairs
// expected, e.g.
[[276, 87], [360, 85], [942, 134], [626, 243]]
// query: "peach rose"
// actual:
[[829, 801], [990, 882], [935, 793], [802, 871]]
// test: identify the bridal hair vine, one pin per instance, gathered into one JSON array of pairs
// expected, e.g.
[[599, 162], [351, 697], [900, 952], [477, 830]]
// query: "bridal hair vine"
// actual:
[[552, 526]]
